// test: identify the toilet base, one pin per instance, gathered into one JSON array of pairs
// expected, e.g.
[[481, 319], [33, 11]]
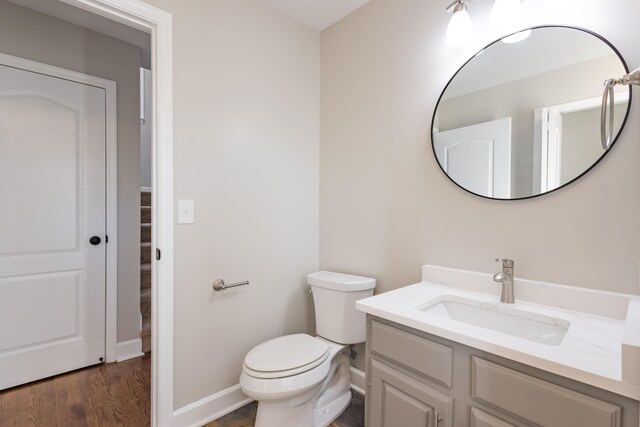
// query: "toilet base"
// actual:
[[283, 414], [317, 407], [322, 417]]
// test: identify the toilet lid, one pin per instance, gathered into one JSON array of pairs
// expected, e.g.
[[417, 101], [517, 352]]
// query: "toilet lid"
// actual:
[[286, 353]]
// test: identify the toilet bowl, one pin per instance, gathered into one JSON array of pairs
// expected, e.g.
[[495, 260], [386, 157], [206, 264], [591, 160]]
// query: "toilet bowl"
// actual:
[[304, 381], [313, 394]]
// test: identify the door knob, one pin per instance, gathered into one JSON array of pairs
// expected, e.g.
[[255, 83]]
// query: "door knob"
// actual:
[[95, 240]]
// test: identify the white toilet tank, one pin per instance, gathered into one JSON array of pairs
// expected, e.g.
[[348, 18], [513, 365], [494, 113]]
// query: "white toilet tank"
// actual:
[[334, 298]]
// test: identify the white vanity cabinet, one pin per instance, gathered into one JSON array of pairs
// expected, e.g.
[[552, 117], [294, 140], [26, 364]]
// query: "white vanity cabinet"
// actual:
[[418, 379]]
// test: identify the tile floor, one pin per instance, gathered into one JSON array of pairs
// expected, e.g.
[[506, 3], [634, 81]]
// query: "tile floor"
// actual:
[[353, 416]]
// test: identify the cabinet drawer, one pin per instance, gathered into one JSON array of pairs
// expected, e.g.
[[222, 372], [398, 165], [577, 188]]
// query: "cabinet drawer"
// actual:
[[538, 401], [427, 357], [479, 418]]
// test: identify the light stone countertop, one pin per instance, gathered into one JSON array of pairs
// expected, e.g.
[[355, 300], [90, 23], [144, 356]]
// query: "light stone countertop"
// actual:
[[591, 351]]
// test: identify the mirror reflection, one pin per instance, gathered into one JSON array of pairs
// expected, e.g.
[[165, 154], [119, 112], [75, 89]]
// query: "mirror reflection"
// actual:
[[522, 119]]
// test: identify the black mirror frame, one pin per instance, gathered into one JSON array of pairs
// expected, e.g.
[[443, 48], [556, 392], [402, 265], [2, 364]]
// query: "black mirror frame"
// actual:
[[622, 126]]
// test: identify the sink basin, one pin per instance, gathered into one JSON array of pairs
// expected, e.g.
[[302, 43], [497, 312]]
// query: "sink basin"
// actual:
[[499, 318]]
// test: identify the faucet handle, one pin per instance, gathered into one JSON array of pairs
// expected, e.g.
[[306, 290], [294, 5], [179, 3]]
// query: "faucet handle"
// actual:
[[506, 262]]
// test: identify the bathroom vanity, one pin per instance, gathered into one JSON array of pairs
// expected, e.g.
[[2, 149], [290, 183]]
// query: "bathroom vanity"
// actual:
[[447, 353]]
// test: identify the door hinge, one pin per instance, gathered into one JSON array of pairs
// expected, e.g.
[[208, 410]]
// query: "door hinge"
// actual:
[[158, 254], [106, 239]]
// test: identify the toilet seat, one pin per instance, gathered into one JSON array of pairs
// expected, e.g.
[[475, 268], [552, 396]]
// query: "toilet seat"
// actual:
[[285, 356], [280, 387], [284, 374]]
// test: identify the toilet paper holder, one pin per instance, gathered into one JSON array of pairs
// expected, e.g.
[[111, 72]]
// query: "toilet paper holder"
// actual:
[[219, 285]]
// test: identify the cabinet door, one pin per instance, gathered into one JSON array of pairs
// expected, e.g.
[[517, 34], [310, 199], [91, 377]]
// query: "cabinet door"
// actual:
[[399, 400]]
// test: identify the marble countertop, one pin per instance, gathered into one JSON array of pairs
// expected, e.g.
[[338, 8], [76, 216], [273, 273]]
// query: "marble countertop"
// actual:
[[603, 325]]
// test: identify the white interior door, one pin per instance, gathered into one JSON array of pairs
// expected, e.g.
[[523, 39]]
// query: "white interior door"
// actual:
[[478, 157], [52, 201]]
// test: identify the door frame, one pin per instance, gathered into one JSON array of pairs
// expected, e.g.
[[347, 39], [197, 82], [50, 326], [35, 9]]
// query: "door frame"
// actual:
[[158, 24], [546, 142], [111, 190]]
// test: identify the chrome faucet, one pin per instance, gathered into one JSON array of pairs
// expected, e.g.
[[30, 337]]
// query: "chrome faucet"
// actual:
[[506, 277]]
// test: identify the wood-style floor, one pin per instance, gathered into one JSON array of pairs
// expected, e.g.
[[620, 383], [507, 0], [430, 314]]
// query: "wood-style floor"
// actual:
[[353, 416], [115, 394]]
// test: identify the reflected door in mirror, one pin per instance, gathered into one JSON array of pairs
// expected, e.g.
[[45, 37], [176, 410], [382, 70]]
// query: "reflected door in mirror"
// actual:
[[478, 157]]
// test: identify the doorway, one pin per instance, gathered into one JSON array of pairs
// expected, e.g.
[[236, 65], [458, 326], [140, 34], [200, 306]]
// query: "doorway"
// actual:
[[136, 16], [146, 209], [566, 140]]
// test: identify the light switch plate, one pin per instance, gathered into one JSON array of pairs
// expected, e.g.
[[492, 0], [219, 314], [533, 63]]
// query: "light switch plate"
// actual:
[[186, 214]]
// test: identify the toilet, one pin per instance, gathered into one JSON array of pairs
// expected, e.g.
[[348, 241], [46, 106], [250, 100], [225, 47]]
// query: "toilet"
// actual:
[[304, 381]]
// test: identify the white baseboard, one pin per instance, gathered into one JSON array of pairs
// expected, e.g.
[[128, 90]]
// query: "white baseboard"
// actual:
[[210, 408], [145, 189], [129, 349], [220, 404], [357, 381]]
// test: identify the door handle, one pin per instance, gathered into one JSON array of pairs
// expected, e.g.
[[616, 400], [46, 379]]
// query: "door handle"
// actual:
[[95, 240]]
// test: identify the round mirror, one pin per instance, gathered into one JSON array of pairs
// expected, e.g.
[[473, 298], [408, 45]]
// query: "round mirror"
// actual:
[[523, 119]]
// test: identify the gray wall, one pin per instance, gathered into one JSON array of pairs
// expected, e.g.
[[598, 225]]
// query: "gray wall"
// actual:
[[385, 206], [41, 38]]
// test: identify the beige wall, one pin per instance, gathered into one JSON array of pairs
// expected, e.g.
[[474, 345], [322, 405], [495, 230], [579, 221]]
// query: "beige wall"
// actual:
[[41, 38], [385, 206], [246, 117]]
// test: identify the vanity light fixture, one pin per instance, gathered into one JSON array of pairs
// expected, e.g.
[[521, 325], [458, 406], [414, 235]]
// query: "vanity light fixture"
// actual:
[[506, 17], [460, 27]]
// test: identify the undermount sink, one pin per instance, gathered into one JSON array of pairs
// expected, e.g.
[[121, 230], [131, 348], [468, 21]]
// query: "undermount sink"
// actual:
[[499, 318]]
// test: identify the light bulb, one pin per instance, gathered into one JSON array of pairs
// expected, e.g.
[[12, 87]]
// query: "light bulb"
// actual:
[[507, 17], [460, 28]]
